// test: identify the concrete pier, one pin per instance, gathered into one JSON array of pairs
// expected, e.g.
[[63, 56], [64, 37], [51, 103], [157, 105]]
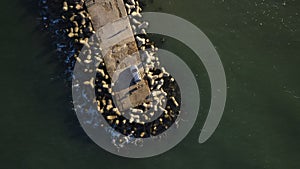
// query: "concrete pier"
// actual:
[[113, 29]]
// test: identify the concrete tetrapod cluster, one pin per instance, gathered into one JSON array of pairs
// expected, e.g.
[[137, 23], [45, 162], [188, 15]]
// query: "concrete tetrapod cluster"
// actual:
[[160, 112]]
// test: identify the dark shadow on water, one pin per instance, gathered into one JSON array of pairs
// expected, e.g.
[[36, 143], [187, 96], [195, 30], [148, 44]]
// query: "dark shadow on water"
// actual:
[[48, 56], [74, 129]]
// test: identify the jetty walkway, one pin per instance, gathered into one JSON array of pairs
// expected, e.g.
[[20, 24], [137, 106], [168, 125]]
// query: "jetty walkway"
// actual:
[[113, 29]]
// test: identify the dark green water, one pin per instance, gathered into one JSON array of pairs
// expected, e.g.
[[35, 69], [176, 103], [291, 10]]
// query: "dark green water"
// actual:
[[259, 45]]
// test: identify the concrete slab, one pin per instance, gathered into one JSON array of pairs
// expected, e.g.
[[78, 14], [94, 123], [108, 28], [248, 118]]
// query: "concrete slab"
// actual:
[[118, 44], [105, 11]]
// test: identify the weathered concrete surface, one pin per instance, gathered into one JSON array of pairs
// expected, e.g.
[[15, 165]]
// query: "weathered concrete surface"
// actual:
[[105, 11], [131, 96], [113, 29]]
